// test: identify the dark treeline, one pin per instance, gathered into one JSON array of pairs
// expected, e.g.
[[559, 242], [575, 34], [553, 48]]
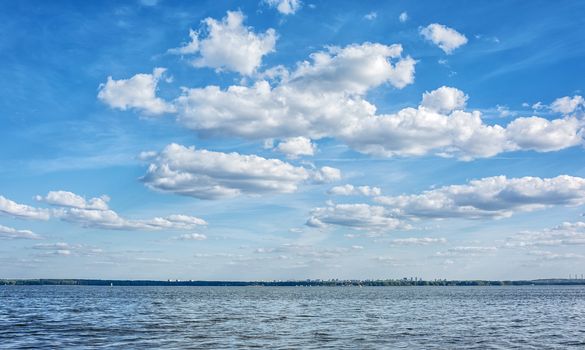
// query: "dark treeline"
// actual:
[[307, 283]]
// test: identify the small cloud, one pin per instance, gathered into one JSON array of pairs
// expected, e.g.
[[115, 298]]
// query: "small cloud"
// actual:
[[504, 111], [371, 16], [418, 241], [12, 233], [447, 39], [192, 237], [567, 105], [286, 7], [403, 17], [293, 147]]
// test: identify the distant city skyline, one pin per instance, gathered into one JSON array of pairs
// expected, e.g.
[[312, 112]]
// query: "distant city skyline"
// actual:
[[288, 139]]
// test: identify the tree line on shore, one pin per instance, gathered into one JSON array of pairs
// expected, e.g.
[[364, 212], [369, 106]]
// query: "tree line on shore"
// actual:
[[306, 283]]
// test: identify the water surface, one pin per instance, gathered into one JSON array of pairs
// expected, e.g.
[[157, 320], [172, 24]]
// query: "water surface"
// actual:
[[510, 317]]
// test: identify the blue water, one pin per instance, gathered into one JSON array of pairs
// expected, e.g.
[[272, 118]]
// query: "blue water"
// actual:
[[76, 317]]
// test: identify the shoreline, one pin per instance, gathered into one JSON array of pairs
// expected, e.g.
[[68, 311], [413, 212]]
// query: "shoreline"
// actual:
[[291, 283]]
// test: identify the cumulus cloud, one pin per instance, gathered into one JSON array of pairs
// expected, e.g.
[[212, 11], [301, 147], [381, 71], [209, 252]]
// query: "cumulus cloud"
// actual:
[[285, 7], [22, 211], [542, 135], [138, 92], [325, 97], [444, 99], [110, 220], [356, 216], [229, 45], [416, 132], [439, 126], [418, 241], [211, 175], [351, 190], [354, 68], [492, 197], [446, 38], [95, 213], [12, 233], [70, 199], [294, 147], [567, 105], [568, 233], [316, 99], [488, 198]]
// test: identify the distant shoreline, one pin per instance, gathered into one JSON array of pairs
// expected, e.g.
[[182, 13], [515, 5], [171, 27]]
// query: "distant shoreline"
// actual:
[[307, 283]]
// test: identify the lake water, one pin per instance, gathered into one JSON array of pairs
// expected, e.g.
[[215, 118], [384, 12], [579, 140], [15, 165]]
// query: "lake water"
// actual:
[[530, 317]]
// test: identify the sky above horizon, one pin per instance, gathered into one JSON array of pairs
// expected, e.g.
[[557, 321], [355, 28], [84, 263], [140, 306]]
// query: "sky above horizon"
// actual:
[[286, 139]]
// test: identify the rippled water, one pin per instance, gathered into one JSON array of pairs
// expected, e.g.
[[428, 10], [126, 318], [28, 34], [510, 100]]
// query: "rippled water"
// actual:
[[60, 317]]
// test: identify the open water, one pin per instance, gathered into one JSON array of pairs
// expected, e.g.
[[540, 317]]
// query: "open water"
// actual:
[[82, 317]]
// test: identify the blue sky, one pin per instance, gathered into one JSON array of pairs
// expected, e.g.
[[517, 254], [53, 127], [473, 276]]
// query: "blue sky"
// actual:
[[291, 140]]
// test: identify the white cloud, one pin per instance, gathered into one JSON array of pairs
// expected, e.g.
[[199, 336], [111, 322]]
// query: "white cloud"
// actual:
[[466, 251], [351, 190], [211, 175], [286, 7], [66, 249], [110, 220], [446, 38], [504, 111], [567, 105], [542, 135], [538, 106], [138, 92], [327, 174], [568, 233], [294, 147], [444, 99], [354, 69], [229, 44], [12, 233], [92, 213], [95, 213], [418, 241], [403, 17], [189, 48], [416, 132], [70, 199], [324, 97], [192, 237], [316, 99], [263, 112], [371, 16], [356, 216], [492, 197], [22, 211], [547, 255]]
